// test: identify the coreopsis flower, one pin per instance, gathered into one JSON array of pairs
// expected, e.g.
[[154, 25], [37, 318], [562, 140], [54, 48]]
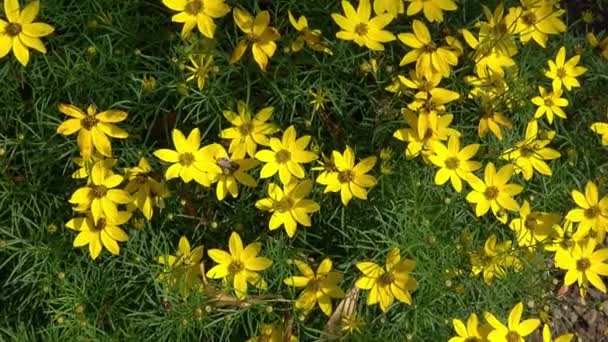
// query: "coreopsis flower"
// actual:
[[289, 206], [394, 280], [261, 36], [536, 20], [285, 156], [432, 9], [592, 212], [101, 196], [533, 228], [438, 129], [515, 329], [349, 179], [200, 70], [146, 191], [585, 265], [564, 72], [493, 260], [488, 59], [467, 333], [188, 159], [319, 287], [239, 267], [20, 32], [429, 105], [424, 50], [550, 104], [93, 128], [494, 32], [84, 166], [601, 46], [105, 232], [392, 7], [182, 270], [419, 83], [319, 98], [563, 240], [531, 153], [197, 13], [307, 36], [548, 338], [489, 86], [228, 171], [492, 121], [453, 162], [494, 192], [601, 128], [247, 132], [272, 333], [359, 27]]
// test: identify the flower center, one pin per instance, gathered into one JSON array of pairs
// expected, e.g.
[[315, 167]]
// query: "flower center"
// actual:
[[141, 178], [99, 191], [561, 72], [592, 212], [101, 224], [246, 128], [235, 267], [283, 156], [583, 264], [386, 279], [346, 176], [194, 7], [512, 336], [361, 29], [13, 29], [430, 47], [88, 122], [283, 205], [529, 18], [452, 163], [186, 159], [548, 102], [530, 223], [315, 284], [227, 165], [491, 192], [527, 151], [428, 134]]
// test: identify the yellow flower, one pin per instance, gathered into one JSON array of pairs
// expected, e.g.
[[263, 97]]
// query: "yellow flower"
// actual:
[[515, 330], [308, 37], [531, 153], [359, 27], [318, 288], [585, 265], [258, 33], [430, 59], [600, 45], [85, 166], [392, 7], [437, 130], [228, 171], [247, 132], [20, 32], [429, 105], [547, 336], [536, 20], [493, 259], [319, 98], [386, 284], [494, 192], [601, 128], [197, 13], [564, 72], [240, 266], [349, 179], [146, 191], [286, 156], [100, 196], [592, 213], [105, 233], [494, 32], [93, 128], [188, 161], [533, 228], [419, 82], [468, 332], [563, 241], [272, 333], [200, 70], [351, 323], [453, 162], [182, 270], [289, 206], [432, 9], [491, 120], [488, 58], [550, 104]]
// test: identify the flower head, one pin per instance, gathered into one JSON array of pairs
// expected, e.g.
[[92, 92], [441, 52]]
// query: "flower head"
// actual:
[[592, 212], [548, 338], [200, 70], [419, 141], [533, 228], [564, 72], [601, 128], [515, 330], [453, 162], [492, 121], [392, 7], [197, 13], [307, 36], [585, 265], [103, 233], [467, 333], [260, 35], [147, 192], [247, 132], [182, 270], [361, 28], [550, 104], [228, 171], [432, 9], [536, 20], [493, 260]]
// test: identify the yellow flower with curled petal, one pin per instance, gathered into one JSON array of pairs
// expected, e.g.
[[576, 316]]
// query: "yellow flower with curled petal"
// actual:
[[93, 128], [307, 36], [601, 128], [20, 32], [359, 27], [564, 72], [550, 104], [261, 36], [285, 156], [248, 131], [197, 13], [389, 282], [100, 196], [432, 9], [85, 166], [453, 162], [319, 287], [146, 191], [493, 259], [584, 265], [514, 330], [533, 229], [592, 212], [467, 333], [601, 46], [492, 121], [536, 20], [182, 270], [103, 233], [289, 206], [349, 179], [240, 266], [430, 59]]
